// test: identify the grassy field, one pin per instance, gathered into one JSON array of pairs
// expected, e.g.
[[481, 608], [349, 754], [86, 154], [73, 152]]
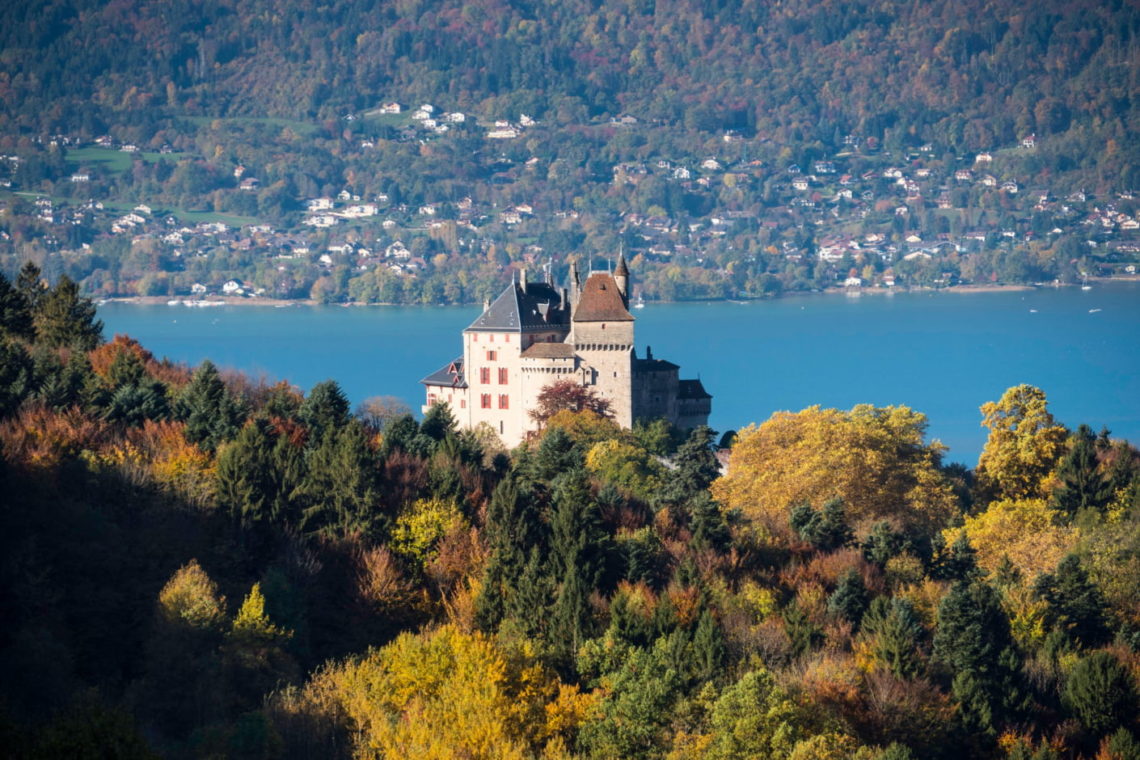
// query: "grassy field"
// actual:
[[198, 217], [113, 159]]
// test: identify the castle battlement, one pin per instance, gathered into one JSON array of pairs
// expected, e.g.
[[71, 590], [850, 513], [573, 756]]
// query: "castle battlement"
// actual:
[[534, 335]]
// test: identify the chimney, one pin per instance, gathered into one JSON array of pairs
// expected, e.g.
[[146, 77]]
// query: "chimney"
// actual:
[[649, 353], [562, 299], [486, 304], [522, 279]]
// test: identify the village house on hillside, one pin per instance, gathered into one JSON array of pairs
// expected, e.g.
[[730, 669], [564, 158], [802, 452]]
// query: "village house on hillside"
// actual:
[[534, 334]]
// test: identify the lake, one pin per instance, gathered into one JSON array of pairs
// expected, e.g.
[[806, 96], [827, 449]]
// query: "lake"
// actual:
[[943, 354]]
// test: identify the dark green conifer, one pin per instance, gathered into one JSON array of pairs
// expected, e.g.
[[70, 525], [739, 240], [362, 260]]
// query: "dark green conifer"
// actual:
[[695, 467], [15, 312], [16, 376], [1074, 604], [709, 650], [974, 642], [827, 529], [211, 414], [849, 601], [895, 633], [1081, 484], [324, 410], [883, 544], [30, 284], [1101, 694], [63, 318]]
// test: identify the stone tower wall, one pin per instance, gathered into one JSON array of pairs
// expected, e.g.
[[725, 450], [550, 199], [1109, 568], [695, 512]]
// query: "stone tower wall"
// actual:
[[606, 349]]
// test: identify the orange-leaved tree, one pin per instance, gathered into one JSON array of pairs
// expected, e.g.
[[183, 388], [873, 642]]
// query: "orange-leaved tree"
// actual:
[[567, 395]]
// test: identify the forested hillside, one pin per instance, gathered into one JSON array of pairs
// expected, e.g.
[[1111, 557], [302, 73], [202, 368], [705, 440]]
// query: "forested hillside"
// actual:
[[740, 149], [196, 565], [969, 76]]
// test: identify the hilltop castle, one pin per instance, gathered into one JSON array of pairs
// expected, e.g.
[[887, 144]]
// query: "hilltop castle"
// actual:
[[534, 334]]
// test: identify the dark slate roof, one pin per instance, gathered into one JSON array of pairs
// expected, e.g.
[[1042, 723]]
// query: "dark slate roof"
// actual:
[[449, 375], [515, 311], [549, 351], [601, 301], [691, 390], [654, 365]]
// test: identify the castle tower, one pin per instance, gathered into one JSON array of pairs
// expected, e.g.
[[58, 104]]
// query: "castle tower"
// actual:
[[601, 331], [621, 277]]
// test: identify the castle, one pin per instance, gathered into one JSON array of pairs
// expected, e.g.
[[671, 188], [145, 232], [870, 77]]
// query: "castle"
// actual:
[[534, 334]]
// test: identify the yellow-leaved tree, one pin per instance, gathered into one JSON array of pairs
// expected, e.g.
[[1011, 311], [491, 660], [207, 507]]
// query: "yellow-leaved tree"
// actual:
[[629, 467], [441, 694], [874, 458], [1024, 446], [1027, 531]]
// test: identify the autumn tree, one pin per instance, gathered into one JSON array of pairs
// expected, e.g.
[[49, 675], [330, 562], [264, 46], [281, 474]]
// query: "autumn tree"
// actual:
[[446, 693], [568, 395], [1023, 447], [183, 675], [875, 459]]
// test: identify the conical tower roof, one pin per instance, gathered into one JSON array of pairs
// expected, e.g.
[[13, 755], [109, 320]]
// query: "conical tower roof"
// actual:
[[622, 270]]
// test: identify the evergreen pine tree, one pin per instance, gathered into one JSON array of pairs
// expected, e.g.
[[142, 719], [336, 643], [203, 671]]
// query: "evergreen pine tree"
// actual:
[[399, 434], [709, 650], [340, 487], [1074, 605], [30, 284], [695, 467], [958, 563], [15, 312], [16, 376], [439, 422], [63, 318], [513, 531], [707, 523], [1081, 484], [849, 601], [579, 549], [895, 632], [827, 529], [974, 642], [883, 544], [211, 414], [1101, 694], [324, 410]]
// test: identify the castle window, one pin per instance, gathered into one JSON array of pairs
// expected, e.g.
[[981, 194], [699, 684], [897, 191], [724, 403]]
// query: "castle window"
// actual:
[[485, 400], [504, 401], [492, 339], [502, 375], [462, 403], [431, 399], [492, 356], [485, 375]]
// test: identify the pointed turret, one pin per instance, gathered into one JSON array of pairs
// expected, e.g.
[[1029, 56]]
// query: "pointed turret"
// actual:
[[621, 277], [575, 285]]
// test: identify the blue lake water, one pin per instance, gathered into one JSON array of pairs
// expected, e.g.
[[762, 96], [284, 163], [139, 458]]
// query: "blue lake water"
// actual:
[[943, 354]]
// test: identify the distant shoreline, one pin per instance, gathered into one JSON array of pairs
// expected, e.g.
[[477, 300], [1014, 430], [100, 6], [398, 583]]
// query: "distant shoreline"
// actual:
[[211, 301]]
